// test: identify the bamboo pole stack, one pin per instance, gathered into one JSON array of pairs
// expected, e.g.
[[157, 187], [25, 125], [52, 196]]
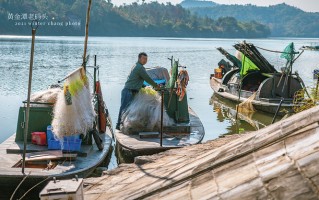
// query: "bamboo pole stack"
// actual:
[[278, 162]]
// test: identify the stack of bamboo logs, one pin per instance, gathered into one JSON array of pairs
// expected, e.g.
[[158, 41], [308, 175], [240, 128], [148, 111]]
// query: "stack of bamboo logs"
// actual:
[[278, 162]]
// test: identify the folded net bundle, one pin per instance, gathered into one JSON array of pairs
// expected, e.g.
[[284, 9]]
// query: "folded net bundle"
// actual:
[[73, 111], [247, 106], [144, 113]]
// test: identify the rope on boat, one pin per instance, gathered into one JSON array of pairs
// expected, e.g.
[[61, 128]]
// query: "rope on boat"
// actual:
[[24, 178], [273, 51], [34, 187]]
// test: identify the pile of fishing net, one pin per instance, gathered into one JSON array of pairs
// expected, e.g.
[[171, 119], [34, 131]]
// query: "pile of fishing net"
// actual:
[[302, 103], [144, 113], [247, 105], [46, 96], [73, 111]]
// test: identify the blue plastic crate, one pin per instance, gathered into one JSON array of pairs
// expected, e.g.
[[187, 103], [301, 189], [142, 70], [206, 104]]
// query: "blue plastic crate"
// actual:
[[54, 144], [50, 135], [68, 144], [72, 145]]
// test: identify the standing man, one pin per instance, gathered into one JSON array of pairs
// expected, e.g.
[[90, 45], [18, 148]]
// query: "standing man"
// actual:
[[133, 84]]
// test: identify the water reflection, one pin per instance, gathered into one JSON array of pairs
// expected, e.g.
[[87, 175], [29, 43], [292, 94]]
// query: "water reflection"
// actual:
[[55, 57], [226, 113]]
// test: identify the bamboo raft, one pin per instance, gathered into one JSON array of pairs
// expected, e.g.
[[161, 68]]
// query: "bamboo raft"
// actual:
[[277, 162]]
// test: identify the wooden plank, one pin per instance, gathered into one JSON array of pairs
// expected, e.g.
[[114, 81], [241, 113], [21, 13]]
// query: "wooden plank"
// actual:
[[49, 155], [17, 148], [149, 135]]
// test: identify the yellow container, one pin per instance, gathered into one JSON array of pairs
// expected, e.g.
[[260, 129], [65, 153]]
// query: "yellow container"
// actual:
[[218, 73]]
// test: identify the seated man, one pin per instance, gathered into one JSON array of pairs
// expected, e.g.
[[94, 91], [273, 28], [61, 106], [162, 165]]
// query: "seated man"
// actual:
[[133, 84]]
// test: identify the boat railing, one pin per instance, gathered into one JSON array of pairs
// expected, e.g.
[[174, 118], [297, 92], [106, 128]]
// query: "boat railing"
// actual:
[[39, 103]]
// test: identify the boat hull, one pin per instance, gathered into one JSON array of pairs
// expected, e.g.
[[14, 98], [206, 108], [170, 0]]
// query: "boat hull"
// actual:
[[11, 176], [258, 105], [133, 145]]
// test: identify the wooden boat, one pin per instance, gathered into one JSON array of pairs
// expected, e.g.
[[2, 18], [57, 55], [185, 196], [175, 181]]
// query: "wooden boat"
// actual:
[[279, 161], [269, 85], [311, 48], [187, 130], [78, 157], [174, 137], [43, 164], [65, 164]]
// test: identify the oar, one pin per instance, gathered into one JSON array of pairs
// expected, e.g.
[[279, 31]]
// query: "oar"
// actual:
[[34, 26]]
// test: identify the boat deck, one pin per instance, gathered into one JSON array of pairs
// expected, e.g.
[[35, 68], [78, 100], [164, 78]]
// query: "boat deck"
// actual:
[[82, 165], [145, 146]]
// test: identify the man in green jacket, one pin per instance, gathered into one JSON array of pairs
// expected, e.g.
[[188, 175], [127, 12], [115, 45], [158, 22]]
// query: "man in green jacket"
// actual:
[[133, 84]]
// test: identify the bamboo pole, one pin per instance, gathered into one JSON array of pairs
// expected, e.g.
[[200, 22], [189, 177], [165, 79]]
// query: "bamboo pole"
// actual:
[[34, 29], [86, 33], [162, 113]]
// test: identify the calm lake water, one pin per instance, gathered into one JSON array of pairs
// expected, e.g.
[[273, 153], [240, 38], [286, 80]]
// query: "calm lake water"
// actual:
[[55, 57]]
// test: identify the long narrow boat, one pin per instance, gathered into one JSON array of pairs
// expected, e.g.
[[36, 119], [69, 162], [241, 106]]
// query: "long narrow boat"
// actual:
[[70, 157], [187, 130], [41, 162], [65, 164], [267, 84], [311, 48]]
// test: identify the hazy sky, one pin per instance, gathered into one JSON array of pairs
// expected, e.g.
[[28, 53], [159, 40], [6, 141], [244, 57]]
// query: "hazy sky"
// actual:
[[307, 5]]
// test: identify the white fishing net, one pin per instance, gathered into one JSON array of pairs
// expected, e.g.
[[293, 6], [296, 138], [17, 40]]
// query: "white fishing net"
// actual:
[[73, 111], [144, 113]]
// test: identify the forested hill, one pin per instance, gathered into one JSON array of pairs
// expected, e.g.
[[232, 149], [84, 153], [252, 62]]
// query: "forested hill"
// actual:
[[67, 17], [283, 20], [197, 4]]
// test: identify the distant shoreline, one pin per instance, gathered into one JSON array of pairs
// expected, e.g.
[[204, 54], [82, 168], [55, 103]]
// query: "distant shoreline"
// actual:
[[164, 37]]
